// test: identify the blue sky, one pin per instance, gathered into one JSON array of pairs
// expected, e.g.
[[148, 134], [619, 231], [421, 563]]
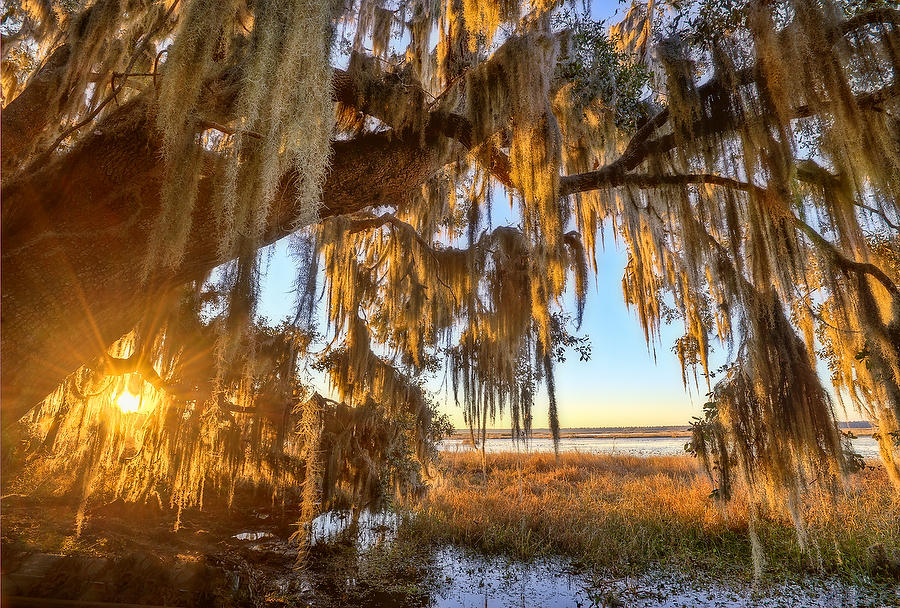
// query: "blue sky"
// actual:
[[622, 384]]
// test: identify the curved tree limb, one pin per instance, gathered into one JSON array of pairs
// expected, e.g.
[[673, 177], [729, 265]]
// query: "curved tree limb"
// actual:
[[654, 181], [108, 186], [75, 230]]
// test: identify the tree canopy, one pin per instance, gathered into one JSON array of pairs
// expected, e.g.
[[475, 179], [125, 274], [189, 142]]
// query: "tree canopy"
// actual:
[[746, 154]]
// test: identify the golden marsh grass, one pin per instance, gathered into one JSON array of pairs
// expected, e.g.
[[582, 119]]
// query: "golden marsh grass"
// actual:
[[626, 512]]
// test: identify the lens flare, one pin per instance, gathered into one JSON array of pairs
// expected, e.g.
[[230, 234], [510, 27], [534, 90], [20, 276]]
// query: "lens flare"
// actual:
[[128, 402]]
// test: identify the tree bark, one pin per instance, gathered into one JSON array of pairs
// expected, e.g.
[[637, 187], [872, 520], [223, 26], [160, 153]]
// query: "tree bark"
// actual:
[[75, 233], [26, 116]]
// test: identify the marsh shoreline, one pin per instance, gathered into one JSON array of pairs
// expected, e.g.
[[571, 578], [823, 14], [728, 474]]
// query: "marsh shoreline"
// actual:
[[580, 530], [860, 429]]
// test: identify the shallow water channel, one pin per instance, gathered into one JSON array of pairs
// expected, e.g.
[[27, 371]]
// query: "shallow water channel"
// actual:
[[865, 446], [450, 576]]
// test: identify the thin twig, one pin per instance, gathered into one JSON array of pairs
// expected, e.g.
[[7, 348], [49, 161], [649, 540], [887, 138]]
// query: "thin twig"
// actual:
[[111, 96], [209, 124]]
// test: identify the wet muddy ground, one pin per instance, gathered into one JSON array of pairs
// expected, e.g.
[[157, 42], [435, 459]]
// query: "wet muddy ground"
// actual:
[[130, 556], [392, 571]]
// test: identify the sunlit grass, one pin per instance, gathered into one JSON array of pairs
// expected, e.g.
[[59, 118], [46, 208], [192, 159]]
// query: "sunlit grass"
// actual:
[[626, 513]]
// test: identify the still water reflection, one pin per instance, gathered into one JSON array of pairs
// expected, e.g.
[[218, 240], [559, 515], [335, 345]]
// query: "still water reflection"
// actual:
[[449, 576], [630, 446]]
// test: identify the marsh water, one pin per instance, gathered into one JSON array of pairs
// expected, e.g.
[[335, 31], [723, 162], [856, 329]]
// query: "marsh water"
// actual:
[[451, 576], [471, 580], [866, 446]]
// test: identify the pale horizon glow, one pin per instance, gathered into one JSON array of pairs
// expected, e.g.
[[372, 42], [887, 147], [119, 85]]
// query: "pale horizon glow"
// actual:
[[624, 384], [620, 386]]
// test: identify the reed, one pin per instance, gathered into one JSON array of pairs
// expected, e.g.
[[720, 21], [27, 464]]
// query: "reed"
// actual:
[[625, 513]]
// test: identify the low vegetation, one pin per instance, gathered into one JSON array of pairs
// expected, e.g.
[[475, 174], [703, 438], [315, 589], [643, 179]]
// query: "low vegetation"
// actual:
[[625, 513], [608, 515]]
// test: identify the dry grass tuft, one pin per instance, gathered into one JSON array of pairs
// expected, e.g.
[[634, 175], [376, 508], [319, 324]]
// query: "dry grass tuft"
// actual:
[[626, 512]]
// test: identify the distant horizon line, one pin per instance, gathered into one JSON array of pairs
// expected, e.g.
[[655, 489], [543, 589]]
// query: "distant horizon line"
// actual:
[[662, 427]]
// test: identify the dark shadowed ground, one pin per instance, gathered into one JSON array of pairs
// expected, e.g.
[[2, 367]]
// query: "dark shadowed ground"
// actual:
[[456, 549]]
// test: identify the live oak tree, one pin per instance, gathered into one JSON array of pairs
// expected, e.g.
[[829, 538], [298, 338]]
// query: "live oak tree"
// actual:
[[745, 154]]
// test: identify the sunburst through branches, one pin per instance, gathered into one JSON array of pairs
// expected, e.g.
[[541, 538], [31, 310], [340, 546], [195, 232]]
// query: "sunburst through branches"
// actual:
[[747, 158]]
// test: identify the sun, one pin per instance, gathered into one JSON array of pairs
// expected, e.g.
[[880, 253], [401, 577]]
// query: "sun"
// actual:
[[128, 402]]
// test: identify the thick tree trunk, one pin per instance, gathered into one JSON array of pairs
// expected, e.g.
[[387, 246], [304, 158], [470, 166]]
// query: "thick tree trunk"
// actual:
[[75, 233], [29, 114]]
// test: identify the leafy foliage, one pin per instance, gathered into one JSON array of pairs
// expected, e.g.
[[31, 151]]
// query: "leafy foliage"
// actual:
[[745, 154]]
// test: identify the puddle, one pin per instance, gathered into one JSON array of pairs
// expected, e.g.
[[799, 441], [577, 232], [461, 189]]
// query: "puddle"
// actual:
[[253, 535], [383, 569], [371, 528], [467, 580]]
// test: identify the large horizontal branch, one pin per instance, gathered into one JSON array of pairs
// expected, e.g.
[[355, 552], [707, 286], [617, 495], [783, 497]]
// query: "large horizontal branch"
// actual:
[[828, 249], [641, 145], [32, 111], [75, 232]]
